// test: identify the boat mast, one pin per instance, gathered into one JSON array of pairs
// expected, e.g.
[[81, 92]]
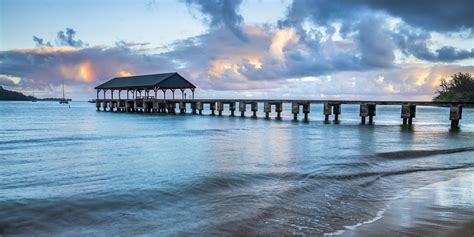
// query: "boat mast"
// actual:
[[63, 90]]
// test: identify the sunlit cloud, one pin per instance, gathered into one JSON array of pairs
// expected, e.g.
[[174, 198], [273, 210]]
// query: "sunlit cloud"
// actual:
[[390, 89], [82, 71], [123, 73], [281, 38], [46, 50]]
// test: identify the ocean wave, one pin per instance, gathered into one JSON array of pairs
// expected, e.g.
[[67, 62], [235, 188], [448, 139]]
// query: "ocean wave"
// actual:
[[421, 153]]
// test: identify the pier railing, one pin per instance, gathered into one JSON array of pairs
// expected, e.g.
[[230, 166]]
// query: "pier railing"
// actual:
[[330, 107]]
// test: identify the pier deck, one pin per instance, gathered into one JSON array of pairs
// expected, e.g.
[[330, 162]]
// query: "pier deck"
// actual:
[[330, 107]]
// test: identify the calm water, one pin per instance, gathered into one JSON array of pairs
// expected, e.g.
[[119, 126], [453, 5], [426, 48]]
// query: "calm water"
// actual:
[[76, 171]]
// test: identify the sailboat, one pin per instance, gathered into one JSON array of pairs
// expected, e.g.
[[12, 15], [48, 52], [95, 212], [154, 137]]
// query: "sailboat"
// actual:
[[63, 100]]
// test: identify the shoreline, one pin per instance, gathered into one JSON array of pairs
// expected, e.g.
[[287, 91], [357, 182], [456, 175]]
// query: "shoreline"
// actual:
[[440, 209]]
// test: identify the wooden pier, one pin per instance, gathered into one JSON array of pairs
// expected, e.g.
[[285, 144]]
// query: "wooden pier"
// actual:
[[135, 101], [330, 107]]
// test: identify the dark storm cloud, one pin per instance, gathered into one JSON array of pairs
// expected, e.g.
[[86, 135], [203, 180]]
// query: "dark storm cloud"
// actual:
[[375, 44], [66, 38], [437, 15], [365, 22], [222, 13], [414, 42]]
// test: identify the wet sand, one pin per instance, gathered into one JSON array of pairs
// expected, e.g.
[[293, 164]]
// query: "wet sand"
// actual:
[[440, 209]]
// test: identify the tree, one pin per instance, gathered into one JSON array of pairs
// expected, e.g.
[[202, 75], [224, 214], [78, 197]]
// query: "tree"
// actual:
[[459, 88]]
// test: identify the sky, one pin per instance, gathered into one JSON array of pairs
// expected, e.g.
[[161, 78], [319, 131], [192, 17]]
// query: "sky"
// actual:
[[301, 49]]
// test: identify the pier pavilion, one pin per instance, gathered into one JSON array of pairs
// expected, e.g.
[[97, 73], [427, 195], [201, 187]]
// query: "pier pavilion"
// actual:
[[146, 83]]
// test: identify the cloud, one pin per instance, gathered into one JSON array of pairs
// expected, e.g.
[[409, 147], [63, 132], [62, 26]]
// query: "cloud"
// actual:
[[317, 51], [6, 81], [277, 58], [45, 68], [40, 42], [66, 38], [376, 28], [222, 13], [63, 39], [436, 15], [414, 42], [280, 40]]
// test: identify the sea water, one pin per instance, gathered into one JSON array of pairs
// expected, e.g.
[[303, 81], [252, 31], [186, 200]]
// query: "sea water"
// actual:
[[71, 170]]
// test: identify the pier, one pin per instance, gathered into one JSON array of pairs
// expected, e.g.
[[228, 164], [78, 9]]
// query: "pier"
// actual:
[[330, 107], [141, 95]]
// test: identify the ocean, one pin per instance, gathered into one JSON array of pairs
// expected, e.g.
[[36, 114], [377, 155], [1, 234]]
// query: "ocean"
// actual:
[[71, 170]]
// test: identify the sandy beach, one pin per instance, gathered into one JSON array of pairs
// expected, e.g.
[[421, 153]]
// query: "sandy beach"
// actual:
[[440, 209]]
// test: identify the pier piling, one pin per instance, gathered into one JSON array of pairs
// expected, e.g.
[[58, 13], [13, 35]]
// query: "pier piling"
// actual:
[[182, 107], [212, 106], [455, 114], [295, 110], [254, 108], [278, 109], [220, 108], [232, 109], [242, 108], [306, 110], [267, 109], [367, 110], [336, 110], [326, 111], [408, 113], [199, 107]]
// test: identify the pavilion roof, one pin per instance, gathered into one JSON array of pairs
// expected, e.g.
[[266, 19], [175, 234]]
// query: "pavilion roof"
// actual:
[[162, 81]]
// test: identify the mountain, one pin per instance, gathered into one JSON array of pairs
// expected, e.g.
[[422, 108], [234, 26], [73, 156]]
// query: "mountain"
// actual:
[[13, 95]]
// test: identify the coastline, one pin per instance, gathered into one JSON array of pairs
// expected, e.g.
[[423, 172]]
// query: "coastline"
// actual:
[[440, 209]]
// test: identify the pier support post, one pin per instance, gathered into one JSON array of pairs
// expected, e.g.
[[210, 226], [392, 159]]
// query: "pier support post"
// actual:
[[278, 109], [97, 104], [171, 107], [367, 110], [193, 107], [408, 113], [254, 108], [220, 108], [455, 114], [212, 107], [363, 112], [156, 106], [199, 107], [306, 111], [295, 110], [242, 108], [372, 109], [104, 105], [336, 110], [232, 109], [326, 111], [267, 109], [182, 107]]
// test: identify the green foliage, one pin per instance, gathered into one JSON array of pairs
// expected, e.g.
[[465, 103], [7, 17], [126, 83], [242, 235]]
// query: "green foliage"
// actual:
[[459, 88]]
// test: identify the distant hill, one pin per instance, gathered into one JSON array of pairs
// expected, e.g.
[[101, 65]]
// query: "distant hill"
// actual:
[[13, 95], [17, 96]]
